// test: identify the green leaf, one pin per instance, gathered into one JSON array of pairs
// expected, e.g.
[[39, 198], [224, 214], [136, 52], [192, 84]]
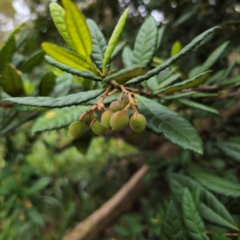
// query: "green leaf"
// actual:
[[178, 95], [35, 216], [172, 226], [185, 16], [58, 16], [38, 186], [176, 48], [125, 74], [160, 36], [198, 106], [67, 57], [175, 128], [69, 100], [230, 149], [211, 209], [78, 29], [84, 74], [216, 184], [127, 57], [214, 56], [47, 84], [98, 42], [193, 221], [167, 81], [114, 38], [146, 42], [11, 81], [193, 82], [117, 49], [58, 118], [32, 62], [220, 237], [173, 59], [7, 52], [152, 83]]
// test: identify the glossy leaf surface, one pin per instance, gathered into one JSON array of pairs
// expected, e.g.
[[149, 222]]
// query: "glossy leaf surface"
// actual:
[[47, 84], [66, 57], [77, 29], [32, 62], [58, 16], [11, 81], [74, 71]]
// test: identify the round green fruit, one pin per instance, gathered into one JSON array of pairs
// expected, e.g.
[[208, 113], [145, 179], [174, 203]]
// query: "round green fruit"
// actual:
[[105, 119], [116, 106], [125, 102], [77, 128], [138, 123], [98, 128], [119, 120], [87, 119]]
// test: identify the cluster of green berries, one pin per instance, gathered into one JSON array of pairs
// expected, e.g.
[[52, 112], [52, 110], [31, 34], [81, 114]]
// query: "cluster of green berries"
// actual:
[[114, 118]]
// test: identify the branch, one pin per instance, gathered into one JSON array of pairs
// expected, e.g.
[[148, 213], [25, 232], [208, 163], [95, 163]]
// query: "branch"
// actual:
[[95, 223]]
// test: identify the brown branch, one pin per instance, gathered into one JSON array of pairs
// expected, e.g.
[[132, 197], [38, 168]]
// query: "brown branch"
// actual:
[[100, 219]]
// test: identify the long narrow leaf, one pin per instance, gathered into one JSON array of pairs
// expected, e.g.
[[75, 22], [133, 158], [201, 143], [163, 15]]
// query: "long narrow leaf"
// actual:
[[74, 71], [98, 42], [193, 82], [58, 118], [171, 60], [230, 149], [146, 42], [7, 52], [172, 228], [77, 29], [175, 128], [198, 105], [211, 209], [32, 62], [11, 81], [193, 221], [114, 38], [125, 74], [66, 57], [58, 16], [127, 57], [216, 184], [70, 100]]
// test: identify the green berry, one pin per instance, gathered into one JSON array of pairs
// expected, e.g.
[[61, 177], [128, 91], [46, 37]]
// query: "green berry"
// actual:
[[116, 106], [138, 123], [119, 120], [77, 128], [105, 119], [125, 102], [87, 119], [98, 128]]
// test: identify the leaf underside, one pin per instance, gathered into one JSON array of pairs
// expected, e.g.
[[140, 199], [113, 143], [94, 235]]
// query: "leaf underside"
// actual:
[[69, 100]]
